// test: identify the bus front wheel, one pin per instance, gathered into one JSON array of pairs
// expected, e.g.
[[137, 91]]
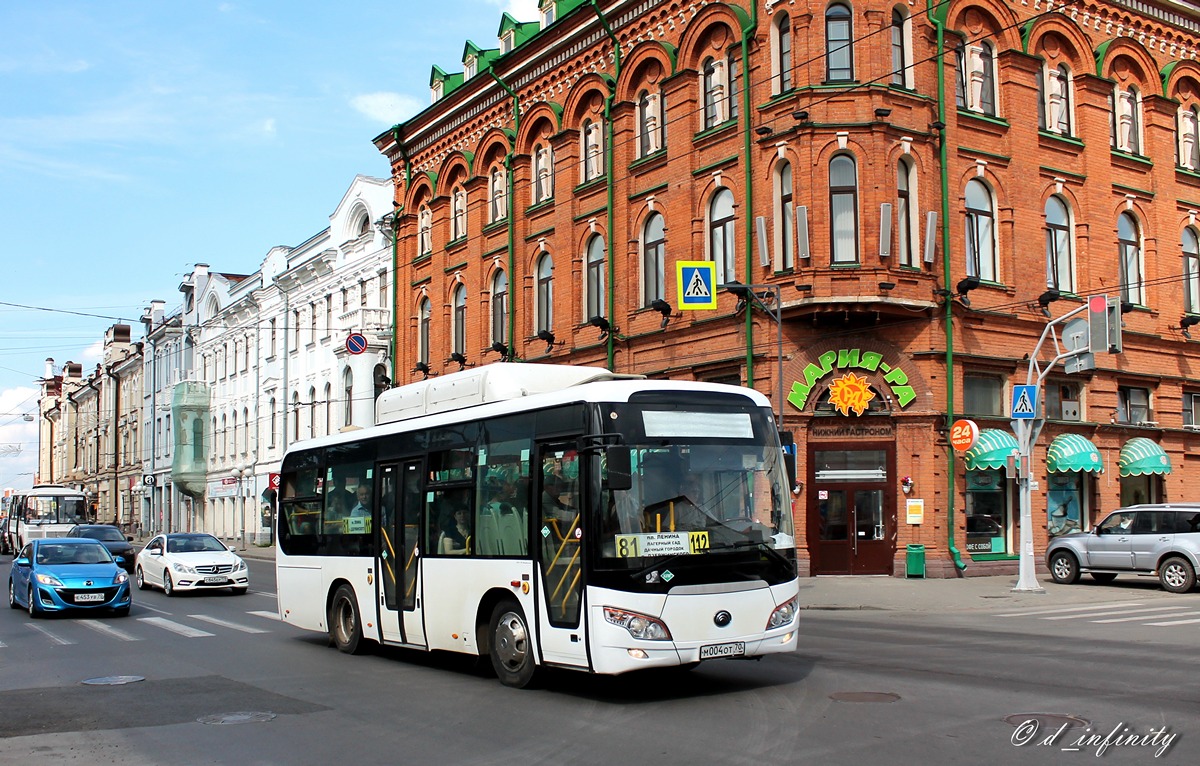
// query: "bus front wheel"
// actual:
[[345, 628], [511, 647]]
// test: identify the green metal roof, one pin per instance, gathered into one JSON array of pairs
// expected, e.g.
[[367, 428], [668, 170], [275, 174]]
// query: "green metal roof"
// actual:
[[991, 450], [1140, 457], [1072, 452]]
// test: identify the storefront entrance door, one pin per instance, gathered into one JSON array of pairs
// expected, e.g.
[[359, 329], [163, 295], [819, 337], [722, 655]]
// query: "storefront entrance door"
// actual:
[[852, 517]]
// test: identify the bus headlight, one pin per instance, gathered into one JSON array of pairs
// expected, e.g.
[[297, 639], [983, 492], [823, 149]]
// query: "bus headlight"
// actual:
[[783, 615], [639, 625], [50, 580]]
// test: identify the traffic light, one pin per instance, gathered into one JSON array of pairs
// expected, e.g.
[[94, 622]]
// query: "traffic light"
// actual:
[[1104, 325]]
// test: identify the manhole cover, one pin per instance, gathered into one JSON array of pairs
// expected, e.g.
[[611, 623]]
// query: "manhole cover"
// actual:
[[228, 718], [1047, 720], [864, 697], [113, 680]]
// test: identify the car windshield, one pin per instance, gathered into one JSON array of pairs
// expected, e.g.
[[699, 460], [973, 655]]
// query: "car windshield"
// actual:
[[194, 544], [60, 554], [104, 534]]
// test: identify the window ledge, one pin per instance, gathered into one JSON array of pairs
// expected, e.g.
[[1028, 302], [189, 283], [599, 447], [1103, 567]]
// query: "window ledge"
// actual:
[[1118, 154], [988, 118], [1061, 137], [715, 129], [499, 225], [456, 243]]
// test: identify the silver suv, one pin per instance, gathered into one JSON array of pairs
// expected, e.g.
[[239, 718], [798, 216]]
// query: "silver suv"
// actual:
[[1160, 539]]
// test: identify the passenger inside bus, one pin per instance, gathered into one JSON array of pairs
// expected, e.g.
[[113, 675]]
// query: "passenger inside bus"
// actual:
[[456, 533]]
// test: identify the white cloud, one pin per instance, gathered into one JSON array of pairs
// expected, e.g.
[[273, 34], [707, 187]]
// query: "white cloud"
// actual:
[[386, 108]]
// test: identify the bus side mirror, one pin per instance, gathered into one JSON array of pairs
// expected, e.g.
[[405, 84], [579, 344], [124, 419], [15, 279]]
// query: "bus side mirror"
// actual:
[[620, 468]]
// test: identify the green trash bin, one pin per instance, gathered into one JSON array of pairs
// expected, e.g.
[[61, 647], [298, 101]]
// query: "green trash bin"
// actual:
[[915, 558]]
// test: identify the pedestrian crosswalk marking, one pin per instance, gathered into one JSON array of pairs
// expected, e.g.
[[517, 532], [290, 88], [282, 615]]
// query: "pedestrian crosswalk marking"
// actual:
[[225, 624], [1181, 611], [268, 615], [1110, 613], [175, 627], [152, 609], [1175, 622], [1034, 612], [108, 630], [55, 638]]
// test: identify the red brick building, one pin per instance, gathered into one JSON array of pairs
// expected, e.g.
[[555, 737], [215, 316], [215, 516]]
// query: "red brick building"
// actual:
[[912, 191]]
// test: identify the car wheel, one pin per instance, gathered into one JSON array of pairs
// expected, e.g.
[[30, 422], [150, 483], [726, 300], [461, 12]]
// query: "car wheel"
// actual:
[[140, 579], [1064, 568], [168, 584], [1177, 575], [510, 647], [12, 596], [1104, 577], [345, 628], [33, 608]]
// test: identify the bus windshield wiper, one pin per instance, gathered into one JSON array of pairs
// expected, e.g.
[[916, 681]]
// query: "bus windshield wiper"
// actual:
[[760, 544]]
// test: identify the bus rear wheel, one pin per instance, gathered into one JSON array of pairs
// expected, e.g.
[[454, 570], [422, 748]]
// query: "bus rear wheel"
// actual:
[[510, 646], [345, 627]]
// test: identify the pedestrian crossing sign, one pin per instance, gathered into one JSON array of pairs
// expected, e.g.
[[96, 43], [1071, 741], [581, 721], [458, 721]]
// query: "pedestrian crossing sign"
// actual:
[[697, 284], [1024, 402]]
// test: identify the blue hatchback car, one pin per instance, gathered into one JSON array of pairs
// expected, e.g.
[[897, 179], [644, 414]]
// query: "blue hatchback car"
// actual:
[[67, 573]]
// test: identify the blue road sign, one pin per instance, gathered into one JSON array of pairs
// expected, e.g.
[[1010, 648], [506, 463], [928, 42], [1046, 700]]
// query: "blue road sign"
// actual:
[[1024, 402], [697, 281], [356, 343]]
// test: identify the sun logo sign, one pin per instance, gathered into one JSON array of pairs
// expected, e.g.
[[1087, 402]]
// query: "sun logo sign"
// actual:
[[850, 393]]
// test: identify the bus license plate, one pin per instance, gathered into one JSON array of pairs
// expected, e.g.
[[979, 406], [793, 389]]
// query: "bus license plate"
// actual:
[[218, 578], [732, 649], [83, 598]]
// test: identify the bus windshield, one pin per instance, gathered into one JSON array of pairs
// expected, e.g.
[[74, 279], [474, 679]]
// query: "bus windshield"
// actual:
[[51, 509]]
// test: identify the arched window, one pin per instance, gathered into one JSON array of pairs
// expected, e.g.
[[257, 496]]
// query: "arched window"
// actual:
[[901, 56], [424, 230], [498, 195], [1054, 105], [543, 171], [1191, 272], [499, 308], [654, 242], [328, 399], [592, 136], [1060, 261], [460, 320], [987, 85], [843, 208], [713, 88], [839, 56], [1188, 132], [545, 293], [975, 81], [594, 278], [1126, 124], [312, 411], [245, 431], [732, 66], [347, 396], [783, 54], [423, 314], [721, 246], [296, 417], [223, 437], [272, 423], [458, 213], [907, 226], [1129, 246], [785, 218], [650, 123], [980, 232], [233, 435]]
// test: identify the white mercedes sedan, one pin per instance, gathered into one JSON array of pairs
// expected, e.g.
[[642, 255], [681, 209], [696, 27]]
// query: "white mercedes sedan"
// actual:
[[190, 561]]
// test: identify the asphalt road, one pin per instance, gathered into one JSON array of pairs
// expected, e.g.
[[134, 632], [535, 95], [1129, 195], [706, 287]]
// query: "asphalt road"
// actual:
[[225, 683]]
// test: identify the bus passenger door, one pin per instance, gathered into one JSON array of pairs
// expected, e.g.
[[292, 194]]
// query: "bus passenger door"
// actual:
[[397, 561], [559, 536]]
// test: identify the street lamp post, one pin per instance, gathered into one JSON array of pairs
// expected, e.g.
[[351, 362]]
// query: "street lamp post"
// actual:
[[241, 473]]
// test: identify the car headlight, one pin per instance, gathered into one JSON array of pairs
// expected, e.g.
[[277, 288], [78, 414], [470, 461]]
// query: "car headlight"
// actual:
[[50, 580], [239, 566], [120, 578], [639, 625], [181, 568], [783, 615]]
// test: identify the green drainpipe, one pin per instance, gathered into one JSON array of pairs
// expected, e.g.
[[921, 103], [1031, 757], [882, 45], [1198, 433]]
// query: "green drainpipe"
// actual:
[[610, 181], [512, 218], [747, 145], [936, 16]]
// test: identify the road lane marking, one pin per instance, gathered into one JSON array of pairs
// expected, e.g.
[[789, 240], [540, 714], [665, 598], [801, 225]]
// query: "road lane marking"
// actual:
[[1109, 614], [175, 627], [268, 615], [1175, 622], [55, 638], [1058, 610], [109, 630], [226, 624], [152, 609], [1182, 612]]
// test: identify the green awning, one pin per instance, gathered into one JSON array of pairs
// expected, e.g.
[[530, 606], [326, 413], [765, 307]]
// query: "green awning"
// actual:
[[991, 450], [1072, 452], [1140, 456]]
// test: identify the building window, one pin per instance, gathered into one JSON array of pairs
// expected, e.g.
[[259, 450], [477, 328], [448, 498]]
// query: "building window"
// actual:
[[383, 296], [1054, 102], [362, 293], [547, 11], [650, 123], [499, 307], [1060, 263], [982, 395], [783, 54], [593, 150], [843, 209], [785, 218], [296, 329], [907, 227], [1188, 130], [273, 335], [1063, 402], [1126, 124], [347, 397], [545, 293], [1191, 271], [458, 213], [424, 231], [543, 170], [901, 58], [312, 323], [423, 314], [981, 232], [975, 84], [498, 195], [1133, 405], [1129, 246], [713, 87], [328, 409], [329, 314], [460, 320], [1191, 410], [594, 278], [295, 417], [654, 239], [272, 423], [734, 70], [839, 59], [721, 246]]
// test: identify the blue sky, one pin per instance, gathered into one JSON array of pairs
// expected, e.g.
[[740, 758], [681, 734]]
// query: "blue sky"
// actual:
[[140, 137]]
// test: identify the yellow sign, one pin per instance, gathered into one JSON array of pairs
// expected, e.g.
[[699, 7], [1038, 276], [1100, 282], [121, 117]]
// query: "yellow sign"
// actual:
[[661, 544], [850, 393], [697, 283], [914, 510]]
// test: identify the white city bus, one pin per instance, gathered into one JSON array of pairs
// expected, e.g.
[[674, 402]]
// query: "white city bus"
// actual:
[[546, 515], [46, 510]]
